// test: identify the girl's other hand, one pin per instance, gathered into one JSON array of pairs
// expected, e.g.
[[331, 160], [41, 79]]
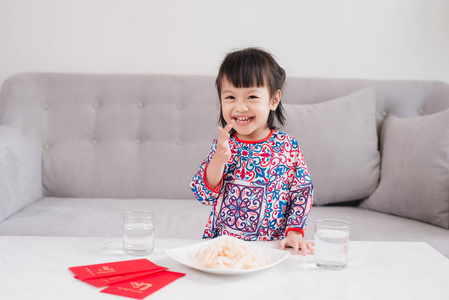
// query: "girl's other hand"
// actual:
[[223, 151], [294, 239]]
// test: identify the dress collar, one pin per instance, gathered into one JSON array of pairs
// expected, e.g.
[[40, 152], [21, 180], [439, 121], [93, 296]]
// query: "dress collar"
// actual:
[[254, 142]]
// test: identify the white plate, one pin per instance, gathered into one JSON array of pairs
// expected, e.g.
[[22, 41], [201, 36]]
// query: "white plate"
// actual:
[[272, 257]]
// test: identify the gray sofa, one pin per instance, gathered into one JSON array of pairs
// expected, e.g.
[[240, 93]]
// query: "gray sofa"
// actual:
[[76, 150]]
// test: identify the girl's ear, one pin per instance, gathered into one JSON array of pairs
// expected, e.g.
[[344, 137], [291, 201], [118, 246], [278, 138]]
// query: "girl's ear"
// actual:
[[275, 100]]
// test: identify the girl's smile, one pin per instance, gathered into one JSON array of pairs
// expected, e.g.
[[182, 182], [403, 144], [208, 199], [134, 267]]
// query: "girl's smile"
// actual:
[[243, 120], [249, 107]]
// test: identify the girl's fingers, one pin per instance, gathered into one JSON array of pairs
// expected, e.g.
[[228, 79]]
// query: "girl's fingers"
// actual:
[[296, 247], [221, 132], [304, 247], [310, 246], [224, 132], [281, 244], [229, 126], [223, 140], [226, 129]]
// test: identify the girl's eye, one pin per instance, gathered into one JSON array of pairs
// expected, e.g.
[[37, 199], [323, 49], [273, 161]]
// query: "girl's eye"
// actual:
[[253, 97], [230, 97]]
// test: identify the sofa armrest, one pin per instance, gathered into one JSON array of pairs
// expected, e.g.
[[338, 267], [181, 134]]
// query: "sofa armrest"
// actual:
[[20, 172]]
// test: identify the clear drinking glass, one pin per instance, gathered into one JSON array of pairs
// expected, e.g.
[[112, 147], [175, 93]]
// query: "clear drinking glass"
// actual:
[[331, 243], [138, 233]]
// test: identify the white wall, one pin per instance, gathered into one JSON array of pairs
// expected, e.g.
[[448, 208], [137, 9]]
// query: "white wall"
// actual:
[[378, 39]]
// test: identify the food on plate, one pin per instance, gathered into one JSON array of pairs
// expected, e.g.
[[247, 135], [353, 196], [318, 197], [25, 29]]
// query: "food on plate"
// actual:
[[227, 253]]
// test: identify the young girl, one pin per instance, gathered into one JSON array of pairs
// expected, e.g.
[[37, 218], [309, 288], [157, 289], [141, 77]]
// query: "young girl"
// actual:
[[255, 177]]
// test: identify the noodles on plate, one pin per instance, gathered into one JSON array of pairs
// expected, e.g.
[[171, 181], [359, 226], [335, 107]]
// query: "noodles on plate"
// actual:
[[227, 253]]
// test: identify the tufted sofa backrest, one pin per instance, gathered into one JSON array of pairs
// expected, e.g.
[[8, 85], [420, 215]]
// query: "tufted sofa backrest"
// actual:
[[123, 136], [141, 136]]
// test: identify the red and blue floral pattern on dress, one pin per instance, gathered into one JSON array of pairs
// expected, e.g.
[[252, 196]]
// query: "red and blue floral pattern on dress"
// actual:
[[266, 190]]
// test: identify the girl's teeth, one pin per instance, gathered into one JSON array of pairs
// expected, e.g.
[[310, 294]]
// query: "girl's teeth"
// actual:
[[243, 120]]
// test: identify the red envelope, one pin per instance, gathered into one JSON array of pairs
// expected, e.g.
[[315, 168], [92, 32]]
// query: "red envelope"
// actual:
[[113, 268], [139, 288], [104, 281]]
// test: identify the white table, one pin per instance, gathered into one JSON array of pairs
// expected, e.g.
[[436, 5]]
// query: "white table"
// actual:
[[36, 268]]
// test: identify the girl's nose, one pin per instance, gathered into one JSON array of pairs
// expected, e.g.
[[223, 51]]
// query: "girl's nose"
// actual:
[[241, 106]]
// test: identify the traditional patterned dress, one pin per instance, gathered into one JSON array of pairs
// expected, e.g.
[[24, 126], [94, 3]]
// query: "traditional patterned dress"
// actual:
[[265, 191]]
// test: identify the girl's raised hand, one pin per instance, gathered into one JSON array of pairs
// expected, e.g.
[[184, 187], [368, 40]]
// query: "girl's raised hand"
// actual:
[[214, 172], [223, 152]]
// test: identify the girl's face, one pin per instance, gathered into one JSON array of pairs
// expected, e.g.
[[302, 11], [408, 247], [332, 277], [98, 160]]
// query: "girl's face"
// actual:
[[249, 107]]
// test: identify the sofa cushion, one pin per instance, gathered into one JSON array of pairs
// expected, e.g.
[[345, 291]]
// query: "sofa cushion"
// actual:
[[415, 169], [186, 218], [368, 225], [102, 217], [339, 141]]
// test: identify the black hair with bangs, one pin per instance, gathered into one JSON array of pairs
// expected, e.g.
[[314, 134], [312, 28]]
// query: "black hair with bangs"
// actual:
[[252, 67]]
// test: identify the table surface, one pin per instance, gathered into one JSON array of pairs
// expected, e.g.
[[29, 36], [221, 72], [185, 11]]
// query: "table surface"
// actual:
[[37, 268]]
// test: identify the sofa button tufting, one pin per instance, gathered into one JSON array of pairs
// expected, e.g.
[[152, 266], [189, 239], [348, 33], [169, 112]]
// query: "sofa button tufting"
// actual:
[[180, 106], [383, 113], [47, 146], [94, 142], [138, 141], [179, 142], [96, 105], [45, 106], [141, 105], [421, 111]]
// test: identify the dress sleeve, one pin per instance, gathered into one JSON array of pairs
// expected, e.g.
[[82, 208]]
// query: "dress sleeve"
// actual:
[[300, 198], [201, 190]]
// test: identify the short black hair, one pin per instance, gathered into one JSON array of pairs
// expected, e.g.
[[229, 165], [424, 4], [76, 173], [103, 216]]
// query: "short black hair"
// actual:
[[252, 67]]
